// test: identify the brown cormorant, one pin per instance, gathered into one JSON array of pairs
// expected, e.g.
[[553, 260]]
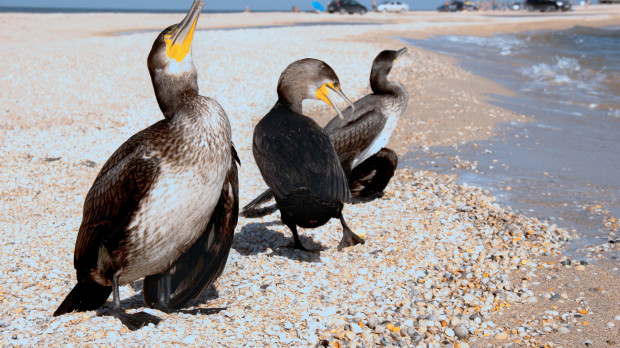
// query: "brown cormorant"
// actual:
[[295, 156], [169, 191], [359, 136]]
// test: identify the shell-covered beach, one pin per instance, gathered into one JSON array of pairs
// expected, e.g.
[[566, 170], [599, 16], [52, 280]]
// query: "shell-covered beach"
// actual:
[[443, 264]]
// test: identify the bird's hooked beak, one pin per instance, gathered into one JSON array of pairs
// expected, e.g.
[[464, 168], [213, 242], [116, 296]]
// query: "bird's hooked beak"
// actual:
[[179, 42], [323, 94], [400, 52]]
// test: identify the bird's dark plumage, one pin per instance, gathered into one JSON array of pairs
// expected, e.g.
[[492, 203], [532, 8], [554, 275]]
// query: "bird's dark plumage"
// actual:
[[295, 156], [362, 133], [168, 193], [372, 176]]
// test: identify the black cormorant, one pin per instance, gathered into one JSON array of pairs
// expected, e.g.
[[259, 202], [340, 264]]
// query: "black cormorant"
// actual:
[[359, 136], [169, 191], [295, 156]]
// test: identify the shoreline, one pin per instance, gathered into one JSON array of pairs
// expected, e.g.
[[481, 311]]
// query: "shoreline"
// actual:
[[57, 152]]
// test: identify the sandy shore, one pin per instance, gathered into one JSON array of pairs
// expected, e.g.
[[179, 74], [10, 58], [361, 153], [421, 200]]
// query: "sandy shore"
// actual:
[[439, 257]]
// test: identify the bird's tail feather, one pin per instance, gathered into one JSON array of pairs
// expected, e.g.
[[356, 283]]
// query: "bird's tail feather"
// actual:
[[254, 205], [85, 296]]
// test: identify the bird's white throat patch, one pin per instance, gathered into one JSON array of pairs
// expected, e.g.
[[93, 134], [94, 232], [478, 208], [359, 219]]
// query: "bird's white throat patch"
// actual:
[[178, 68]]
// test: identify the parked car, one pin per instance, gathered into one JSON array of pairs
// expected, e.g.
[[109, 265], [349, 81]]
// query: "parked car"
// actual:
[[515, 6], [393, 6], [346, 6], [454, 6], [547, 5], [469, 6]]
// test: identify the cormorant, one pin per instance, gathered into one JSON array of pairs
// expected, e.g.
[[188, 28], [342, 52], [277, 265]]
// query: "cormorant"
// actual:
[[169, 191], [359, 136], [295, 156]]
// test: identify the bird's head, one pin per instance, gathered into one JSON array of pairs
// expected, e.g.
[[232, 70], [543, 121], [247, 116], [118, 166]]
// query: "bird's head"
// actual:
[[382, 65], [170, 60], [310, 79], [386, 59]]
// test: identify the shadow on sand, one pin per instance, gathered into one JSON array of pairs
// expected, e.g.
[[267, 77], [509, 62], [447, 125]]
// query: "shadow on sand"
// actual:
[[138, 320], [255, 238]]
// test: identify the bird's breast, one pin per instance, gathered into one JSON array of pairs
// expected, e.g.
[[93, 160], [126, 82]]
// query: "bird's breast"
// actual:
[[392, 108], [179, 204]]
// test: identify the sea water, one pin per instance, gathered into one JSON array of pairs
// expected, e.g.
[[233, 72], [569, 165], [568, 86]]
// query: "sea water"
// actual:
[[564, 166]]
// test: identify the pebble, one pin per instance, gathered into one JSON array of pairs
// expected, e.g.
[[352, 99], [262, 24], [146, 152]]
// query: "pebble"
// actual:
[[461, 331], [189, 340], [373, 322], [555, 297], [356, 329], [350, 335], [501, 336], [407, 331], [563, 330], [531, 299]]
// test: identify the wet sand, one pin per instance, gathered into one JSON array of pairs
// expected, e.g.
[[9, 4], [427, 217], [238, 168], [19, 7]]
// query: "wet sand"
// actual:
[[74, 89]]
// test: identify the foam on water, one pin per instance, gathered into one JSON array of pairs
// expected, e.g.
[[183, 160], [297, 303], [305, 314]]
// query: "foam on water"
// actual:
[[503, 45]]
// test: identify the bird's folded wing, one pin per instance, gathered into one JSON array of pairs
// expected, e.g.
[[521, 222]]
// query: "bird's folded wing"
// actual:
[[291, 158], [357, 134], [115, 195]]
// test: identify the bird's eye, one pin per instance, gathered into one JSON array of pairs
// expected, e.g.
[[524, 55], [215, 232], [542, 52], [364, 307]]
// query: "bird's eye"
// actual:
[[336, 84]]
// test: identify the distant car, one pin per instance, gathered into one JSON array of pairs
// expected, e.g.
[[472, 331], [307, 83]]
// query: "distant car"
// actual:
[[453, 7], [468, 6], [346, 6], [515, 6], [393, 6], [547, 5]]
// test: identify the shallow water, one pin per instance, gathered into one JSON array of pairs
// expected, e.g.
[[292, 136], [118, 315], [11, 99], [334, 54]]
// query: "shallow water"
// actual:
[[564, 166]]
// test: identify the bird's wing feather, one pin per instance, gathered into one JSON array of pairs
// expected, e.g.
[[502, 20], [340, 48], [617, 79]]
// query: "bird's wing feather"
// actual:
[[296, 153], [114, 196], [356, 131], [358, 134]]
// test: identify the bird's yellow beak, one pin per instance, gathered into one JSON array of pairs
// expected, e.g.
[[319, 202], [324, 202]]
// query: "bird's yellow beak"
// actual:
[[322, 93], [179, 42]]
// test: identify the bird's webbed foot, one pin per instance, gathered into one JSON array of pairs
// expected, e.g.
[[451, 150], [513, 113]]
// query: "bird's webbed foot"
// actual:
[[349, 238]]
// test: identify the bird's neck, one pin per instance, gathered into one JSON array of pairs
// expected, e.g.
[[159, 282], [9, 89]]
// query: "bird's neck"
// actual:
[[295, 106], [173, 91], [381, 85]]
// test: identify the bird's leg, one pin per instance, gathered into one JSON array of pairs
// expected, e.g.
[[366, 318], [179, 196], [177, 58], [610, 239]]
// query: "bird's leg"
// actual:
[[348, 237], [296, 242], [164, 294], [116, 298], [133, 321]]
